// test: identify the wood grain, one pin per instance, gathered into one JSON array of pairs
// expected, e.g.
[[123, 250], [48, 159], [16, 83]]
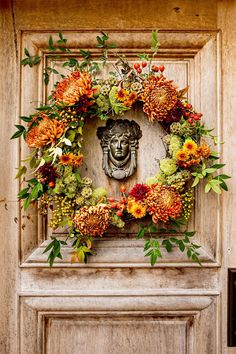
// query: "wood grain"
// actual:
[[8, 186]]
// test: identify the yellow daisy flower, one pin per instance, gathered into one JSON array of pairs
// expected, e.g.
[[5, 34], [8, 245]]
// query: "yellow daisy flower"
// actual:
[[190, 147]]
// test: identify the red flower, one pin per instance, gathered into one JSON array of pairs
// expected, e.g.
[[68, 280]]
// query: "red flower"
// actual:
[[139, 191]]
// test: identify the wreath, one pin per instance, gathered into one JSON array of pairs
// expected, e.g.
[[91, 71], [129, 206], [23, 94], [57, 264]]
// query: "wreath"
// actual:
[[55, 135]]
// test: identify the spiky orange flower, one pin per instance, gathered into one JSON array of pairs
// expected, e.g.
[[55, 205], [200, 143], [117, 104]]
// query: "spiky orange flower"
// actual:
[[72, 87], [163, 203], [93, 220], [46, 132], [71, 159], [182, 155], [159, 97]]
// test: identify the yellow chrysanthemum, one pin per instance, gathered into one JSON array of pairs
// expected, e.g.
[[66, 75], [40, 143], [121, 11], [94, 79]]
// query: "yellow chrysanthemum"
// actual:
[[130, 205], [182, 155], [139, 210], [190, 147]]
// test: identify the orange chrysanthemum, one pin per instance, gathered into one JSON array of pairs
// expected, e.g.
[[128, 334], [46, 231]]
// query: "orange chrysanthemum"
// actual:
[[93, 220], [46, 132], [205, 150], [72, 88], [182, 155], [163, 203], [159, 97]]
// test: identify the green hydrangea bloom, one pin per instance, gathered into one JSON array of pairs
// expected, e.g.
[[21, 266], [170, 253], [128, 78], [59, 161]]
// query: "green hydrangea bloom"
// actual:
[[160, 177], [175, 145], [99, 192], [151, 180], [116, 221], [103, 103], [168, 166]]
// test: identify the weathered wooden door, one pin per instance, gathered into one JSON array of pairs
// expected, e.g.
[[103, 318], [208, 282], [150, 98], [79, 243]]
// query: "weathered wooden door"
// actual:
[[117, 303]]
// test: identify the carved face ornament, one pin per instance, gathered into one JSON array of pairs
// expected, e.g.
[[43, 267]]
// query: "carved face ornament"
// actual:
[[119, 141]]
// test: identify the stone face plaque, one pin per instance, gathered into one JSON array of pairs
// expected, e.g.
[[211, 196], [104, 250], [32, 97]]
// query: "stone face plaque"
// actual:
[[119, 142]]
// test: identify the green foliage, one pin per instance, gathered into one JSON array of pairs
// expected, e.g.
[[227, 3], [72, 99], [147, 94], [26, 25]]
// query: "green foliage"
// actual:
[[215, 183], [55, 250], [20, 131], [30, 60], [155, 42], [152, 246]]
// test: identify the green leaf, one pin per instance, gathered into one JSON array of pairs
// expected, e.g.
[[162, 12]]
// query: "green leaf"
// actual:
[[27, 52], [49, 246], [224, 186], [181, 246], [167, 244], [218, 165], [50, 44], [216, 189], [195, 182], [155, 42], [189, 253], [36, 60], [21, 171], [154, 256], [190, 233], [223, 176], [33, 162], [27, 202], [23, 192], [141, 233], [153, 228], [210, 170], [207, 187], [26, 119]]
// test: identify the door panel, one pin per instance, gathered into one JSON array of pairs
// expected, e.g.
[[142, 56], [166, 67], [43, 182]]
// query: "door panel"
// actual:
[[176, 307], [185, 55], [123, 324]]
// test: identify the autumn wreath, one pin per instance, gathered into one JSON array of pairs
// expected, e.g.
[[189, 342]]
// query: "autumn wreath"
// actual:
[[55, 133]]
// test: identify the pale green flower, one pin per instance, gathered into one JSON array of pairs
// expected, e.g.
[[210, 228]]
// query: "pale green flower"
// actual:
[[168, 166]]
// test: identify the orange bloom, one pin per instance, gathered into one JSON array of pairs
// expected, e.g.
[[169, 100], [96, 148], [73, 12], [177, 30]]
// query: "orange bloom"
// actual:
[[190, 146], [78, 160], [139, 210], [159, 97], [72, 88], [66, 159], [163, 203], [182, 155], [205, 150], [133, 96], [46, 132], [93, 220], [122, 95], [71, 159]]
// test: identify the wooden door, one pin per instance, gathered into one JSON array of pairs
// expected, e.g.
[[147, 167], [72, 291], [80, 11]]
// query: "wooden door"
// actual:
[[117, 303]]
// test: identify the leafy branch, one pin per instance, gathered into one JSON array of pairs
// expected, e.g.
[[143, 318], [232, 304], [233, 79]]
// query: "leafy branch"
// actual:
[[152, 246], [215, 183], [55, 250]]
